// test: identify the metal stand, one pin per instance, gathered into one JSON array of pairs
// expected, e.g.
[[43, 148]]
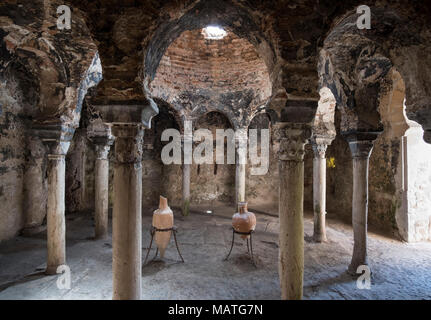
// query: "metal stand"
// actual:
[[249, 247], [153, 231]]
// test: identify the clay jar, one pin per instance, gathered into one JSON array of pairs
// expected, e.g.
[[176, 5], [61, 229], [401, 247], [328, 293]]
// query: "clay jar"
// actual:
[[243, 221], [163, 218]]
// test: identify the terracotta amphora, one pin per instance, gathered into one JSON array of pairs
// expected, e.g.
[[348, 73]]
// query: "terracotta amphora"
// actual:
[[243, 220], [163, 218]]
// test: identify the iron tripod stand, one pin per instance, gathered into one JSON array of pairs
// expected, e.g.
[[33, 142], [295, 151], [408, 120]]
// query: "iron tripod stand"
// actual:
[[249, 247], [153, 231]]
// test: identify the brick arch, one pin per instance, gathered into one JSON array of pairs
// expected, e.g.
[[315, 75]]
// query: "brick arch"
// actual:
[[176, 113], [197, 75], [258, 115], [201, 117]]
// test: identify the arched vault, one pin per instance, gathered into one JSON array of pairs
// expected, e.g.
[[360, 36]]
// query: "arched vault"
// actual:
[[354, 63]]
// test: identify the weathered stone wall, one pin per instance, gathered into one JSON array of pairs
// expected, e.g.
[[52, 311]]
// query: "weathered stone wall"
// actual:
[[12, 163], [76, 172], [262, 190], [384, 199]]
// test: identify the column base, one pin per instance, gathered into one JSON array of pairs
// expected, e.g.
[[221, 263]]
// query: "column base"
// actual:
[[51, 270], [186, 208], [352, 270], [101, 237], [320, 238], [31, 231]]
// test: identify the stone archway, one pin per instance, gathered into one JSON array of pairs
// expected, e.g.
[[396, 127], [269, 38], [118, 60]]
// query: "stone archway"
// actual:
[[402, 145]]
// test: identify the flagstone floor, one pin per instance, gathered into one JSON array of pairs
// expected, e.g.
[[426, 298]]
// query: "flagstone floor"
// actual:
[[400, 270]]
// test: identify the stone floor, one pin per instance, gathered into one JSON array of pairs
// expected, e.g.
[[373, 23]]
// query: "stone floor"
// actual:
[[400, 270]]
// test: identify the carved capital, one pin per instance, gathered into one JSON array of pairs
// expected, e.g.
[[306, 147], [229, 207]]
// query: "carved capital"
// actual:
[[139, 114], [319, 145], [241, 137], [361, 143], [56, 136], [361, 149], [292, 138], [241, 143], [102, 151], [128, 143], [100, 135], [35, 147], [319, 150]]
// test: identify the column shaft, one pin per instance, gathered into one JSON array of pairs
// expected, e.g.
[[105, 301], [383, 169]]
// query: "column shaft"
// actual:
[[319, 189], [186, 189], [103, 140], [319, 198], [359, 213], [240, 182], [293, 138], [102, 198], [361, 151], [127, 220], [291, 263], [241, 161], [56, 226]]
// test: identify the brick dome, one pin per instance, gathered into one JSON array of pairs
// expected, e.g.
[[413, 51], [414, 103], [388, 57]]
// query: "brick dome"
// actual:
[[197, 65]]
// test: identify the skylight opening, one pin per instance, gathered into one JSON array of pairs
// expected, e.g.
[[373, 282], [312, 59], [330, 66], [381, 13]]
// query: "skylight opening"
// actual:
[[214, 33]]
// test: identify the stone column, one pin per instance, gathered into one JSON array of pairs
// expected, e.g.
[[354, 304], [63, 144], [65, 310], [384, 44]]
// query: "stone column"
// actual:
[[127, 219], [241, 141], [35, 187], [57, 138], [75, 174], [292, 139], [101, 185], [361, 150], [187, 146], [319, 187], [186, 189]]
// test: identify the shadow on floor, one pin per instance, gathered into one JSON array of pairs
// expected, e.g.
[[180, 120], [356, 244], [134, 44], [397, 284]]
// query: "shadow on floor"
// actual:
[[27, 278]]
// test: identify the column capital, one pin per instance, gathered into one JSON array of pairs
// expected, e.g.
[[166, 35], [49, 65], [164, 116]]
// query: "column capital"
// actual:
[[361, 149], [35, 146], [320, 144], [102, 151], [131, 113], [319, 150], [56, 136], [100, 135], [361, 143], [186, 139], [128, 142], [241, 133], [241, 136], [292, 138]]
